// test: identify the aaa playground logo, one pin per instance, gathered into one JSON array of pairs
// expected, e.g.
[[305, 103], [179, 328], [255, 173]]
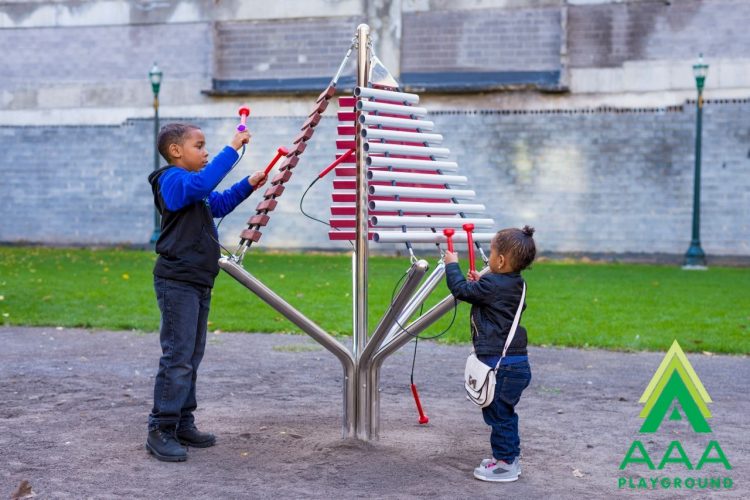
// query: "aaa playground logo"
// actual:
[[675, 386]]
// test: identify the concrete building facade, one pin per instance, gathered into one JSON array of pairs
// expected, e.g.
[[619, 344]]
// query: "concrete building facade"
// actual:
[[576, 117]]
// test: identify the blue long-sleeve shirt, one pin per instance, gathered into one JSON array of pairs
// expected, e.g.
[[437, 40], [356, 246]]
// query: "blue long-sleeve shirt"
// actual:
[[180, 188], [188, 246]]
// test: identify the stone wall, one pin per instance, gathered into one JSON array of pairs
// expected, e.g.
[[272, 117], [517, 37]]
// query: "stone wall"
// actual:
[[575, 116]]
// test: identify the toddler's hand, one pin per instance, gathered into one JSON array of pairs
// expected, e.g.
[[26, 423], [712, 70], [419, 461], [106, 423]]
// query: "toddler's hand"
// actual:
[[473, 276], [450, 257], [240, 138], [257, 179]]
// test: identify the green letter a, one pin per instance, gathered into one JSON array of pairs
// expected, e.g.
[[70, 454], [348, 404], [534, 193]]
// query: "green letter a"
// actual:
[[675, 388]]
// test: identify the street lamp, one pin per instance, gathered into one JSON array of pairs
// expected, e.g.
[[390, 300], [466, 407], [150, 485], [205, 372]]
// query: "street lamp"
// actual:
[[155, 77], [695, 258]]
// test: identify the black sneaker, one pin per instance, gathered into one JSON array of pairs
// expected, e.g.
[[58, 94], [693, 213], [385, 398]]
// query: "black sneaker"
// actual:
[[191, 436], [164, 446]]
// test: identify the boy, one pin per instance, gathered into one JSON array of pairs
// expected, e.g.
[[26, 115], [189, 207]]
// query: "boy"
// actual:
[[494, 299], [184, 274]]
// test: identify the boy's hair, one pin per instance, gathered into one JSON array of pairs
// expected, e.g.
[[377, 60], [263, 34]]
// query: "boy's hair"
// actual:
[[172, 133], [518, 245]]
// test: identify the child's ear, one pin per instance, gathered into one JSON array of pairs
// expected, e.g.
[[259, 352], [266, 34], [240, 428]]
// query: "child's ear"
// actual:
[[175, 151]]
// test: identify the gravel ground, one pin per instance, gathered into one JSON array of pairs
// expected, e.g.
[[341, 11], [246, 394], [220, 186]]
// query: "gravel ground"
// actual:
[[73, 408]]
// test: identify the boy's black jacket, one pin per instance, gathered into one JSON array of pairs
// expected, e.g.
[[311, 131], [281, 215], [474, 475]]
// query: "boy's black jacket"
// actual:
[[494, 301], [188, 248]]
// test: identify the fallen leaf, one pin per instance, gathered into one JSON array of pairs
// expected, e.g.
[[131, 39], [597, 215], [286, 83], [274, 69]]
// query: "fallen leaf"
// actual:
[[24, 491]]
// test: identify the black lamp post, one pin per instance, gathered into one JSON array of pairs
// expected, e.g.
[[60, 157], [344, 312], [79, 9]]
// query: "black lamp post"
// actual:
[[695, 258], [155, 76]]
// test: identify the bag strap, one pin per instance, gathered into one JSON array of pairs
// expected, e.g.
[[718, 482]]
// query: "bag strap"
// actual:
[[512, 332]]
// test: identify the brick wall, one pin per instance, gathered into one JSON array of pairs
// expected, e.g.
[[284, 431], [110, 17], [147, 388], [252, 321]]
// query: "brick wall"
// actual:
[[589, 181], [612, 33], [481, 40], [281, 49], [47, 56]]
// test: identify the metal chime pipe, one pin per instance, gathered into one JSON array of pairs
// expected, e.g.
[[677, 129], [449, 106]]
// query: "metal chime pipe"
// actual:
[[387, 121], [412, 192], [400, 135], [441, 180], [386, 95], [431, 208], [392, 109], [387, 161], [426, 237], [424, 221], [400, 149]]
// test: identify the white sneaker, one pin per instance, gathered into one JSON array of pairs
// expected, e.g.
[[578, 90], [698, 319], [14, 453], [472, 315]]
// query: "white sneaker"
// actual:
[[497, 472], [488, 460]]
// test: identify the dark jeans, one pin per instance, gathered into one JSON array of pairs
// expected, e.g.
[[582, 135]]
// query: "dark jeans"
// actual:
[[501, 414], [184, 319]]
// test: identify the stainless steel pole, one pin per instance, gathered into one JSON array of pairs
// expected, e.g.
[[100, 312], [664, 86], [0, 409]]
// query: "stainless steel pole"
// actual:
[[360, 247]]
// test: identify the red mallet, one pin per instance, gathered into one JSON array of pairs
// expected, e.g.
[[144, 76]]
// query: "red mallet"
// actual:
[[448, 232], [336, 163], [244, 113], [423, 419], [468, 227], [282, 151]]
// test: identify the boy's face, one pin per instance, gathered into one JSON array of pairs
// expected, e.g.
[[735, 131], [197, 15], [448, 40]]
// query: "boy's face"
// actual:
[[192, 153]]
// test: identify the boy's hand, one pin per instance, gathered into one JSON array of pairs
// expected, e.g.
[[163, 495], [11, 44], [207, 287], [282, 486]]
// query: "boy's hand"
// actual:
[[240, 138], [473, 276], [257, 179], [450, 257]]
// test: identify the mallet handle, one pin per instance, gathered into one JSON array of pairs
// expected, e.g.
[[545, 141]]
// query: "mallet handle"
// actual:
[[282, 151], [244, 112], [448, 232], [470, 241], [336, 163], [423, 419]]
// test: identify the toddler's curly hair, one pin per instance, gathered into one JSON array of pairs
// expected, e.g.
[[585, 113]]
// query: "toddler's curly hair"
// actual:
[[518, 245]]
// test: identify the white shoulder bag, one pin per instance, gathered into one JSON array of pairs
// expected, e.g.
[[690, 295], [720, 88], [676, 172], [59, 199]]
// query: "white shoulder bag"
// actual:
[[479, 379]]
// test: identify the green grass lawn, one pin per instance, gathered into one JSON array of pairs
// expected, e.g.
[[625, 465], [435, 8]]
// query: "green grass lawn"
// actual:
[[614, 306]]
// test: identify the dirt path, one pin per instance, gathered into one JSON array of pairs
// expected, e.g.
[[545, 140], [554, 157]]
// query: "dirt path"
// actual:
[[73, 407]]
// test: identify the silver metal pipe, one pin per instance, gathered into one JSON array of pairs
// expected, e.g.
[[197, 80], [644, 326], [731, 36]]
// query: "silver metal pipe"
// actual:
[[391, 109], [414, 328], [388, 161], [267, 295], [387, 121], [424, 221], [400, 149], [434, 279], [384, 236], [433, 208], [360, 246], [429, 285], [421, 192], [414, 276], [386, 95], [438, 179], [400, 135]]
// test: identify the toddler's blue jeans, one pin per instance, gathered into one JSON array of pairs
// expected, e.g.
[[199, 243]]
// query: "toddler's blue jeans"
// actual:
[[184, 319], [501, 415]]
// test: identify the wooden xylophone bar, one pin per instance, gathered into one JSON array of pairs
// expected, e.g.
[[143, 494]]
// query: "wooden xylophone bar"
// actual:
[[252, 234]]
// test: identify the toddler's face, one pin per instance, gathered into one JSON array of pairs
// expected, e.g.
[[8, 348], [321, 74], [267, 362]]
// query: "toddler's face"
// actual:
[[499, 263], [194, 152]]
